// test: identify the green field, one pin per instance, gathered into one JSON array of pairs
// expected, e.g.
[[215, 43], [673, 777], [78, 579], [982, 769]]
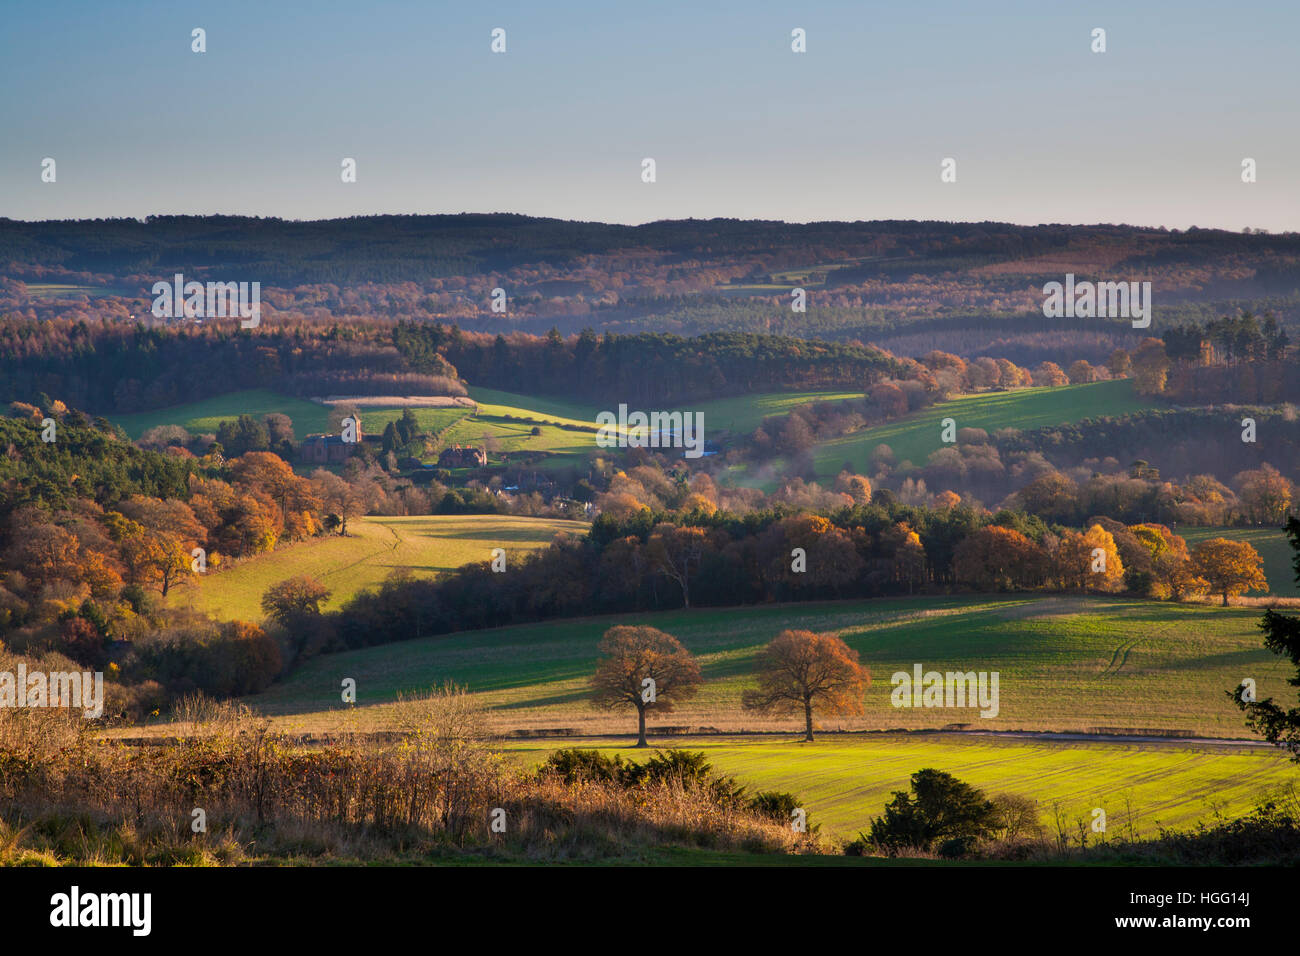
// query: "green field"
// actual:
[[432, 420], [738, 415], [1272, 545], [913, 438], [536, 407], [63, 290], [373, 549], [201, 417], [1065, 664], [844, 781]]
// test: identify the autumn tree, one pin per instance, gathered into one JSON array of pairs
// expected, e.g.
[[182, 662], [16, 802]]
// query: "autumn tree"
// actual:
[[676, 553], [1049, 373], [857, 487], [1052, 496], [1265, 494], [997, 558], [800, 670], [807, 551], [294, 598], [1172, 569], [1230, 567], [44, 551], [909, 554], [1150, 368], [340, 498], [1081, 372], [159, 558], [272, 475], [645, 668], [1119, 364], [1090, 561]]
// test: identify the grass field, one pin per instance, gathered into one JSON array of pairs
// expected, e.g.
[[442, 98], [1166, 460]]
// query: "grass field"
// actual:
[[373, 549], [1081, 664], [1064, 664], [63, 290], [1272, 545], [844, 781], [199, 417], [913, 438], [461, 425], [535, 406]]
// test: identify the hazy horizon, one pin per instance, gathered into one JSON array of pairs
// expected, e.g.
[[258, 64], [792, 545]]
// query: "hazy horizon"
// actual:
[[1153, 131], [648, 222]]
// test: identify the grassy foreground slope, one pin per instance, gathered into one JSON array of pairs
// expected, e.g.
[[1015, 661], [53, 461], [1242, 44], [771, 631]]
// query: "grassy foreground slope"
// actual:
[[913, 438], [1064, 664], [845, 781], [373, 549]]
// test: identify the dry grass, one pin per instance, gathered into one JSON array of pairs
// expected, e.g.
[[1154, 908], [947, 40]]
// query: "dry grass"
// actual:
[[69, 798]]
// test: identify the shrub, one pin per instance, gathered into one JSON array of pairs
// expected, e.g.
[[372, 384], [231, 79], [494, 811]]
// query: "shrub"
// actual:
[[939, 808]]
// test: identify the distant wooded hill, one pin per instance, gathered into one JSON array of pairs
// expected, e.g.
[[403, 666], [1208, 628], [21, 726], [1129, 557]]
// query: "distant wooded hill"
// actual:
[[412, 248]]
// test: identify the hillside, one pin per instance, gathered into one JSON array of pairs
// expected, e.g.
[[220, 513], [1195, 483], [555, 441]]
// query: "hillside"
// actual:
[[204, 416], [374, 548], [1066, 664], [913, 438]]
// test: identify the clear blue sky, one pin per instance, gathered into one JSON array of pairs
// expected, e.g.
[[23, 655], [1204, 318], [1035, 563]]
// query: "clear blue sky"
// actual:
[[1151, 132]]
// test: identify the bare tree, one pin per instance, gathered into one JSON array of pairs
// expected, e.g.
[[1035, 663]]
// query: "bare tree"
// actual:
[[676, 554], [644, 668], [800, 669]]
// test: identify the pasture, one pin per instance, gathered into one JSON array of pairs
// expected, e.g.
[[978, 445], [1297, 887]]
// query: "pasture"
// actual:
[[1067, 663], [914, 437], [374, 548], [843, 781]]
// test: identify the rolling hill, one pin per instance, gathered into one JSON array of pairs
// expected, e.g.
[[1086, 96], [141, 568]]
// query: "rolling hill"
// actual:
[[1065, 664], [914, 437], [374, 548]]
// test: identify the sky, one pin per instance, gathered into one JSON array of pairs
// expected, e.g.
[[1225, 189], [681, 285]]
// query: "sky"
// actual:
[[1151, 132]]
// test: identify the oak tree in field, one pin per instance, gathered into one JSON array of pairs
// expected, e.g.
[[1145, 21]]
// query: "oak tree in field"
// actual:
[[1282, 637], [294, 604], [804, 671], [293, 598], [644, 668], [1230, 567]]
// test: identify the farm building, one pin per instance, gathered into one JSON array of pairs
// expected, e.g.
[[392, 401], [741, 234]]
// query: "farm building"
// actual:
[[328, 449], [466, 456]]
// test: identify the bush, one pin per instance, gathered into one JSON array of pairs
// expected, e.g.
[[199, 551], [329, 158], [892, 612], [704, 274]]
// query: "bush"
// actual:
[[939, 808], [775, 805], [681, 769], [574, 765], [80, 640]]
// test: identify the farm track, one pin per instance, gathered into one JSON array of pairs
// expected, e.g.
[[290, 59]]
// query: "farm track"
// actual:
[[1120, 655]]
